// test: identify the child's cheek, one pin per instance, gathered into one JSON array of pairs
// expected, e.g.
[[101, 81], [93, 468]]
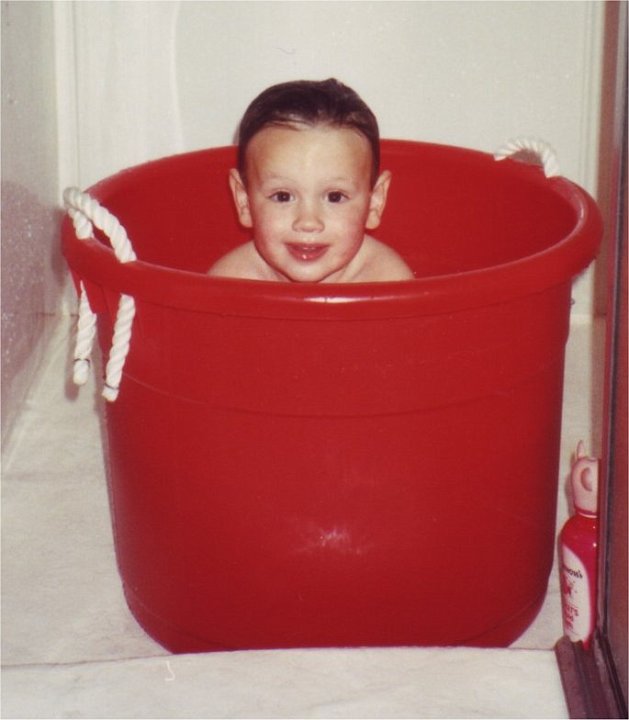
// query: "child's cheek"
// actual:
[[265, 219], [355, 218]]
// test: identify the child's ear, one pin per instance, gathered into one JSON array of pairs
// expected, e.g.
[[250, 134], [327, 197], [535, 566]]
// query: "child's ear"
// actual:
[[378, 200], [241, 199]]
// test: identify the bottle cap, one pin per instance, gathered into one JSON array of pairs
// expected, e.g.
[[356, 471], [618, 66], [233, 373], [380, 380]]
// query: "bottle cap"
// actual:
[[584, 479]]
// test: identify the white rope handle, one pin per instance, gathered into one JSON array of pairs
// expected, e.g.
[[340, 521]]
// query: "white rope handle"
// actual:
[[87, 213], [532, 150], [86, 329]]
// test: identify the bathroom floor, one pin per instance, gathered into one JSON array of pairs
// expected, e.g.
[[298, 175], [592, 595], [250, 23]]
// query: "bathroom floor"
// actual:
[[71, 649]]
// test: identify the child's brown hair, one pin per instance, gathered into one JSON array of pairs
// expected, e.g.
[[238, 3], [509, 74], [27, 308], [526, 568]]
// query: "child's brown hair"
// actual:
[[311, 102]]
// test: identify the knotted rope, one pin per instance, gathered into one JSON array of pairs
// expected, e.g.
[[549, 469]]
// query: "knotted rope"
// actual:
[[531, 149], [87, 213]]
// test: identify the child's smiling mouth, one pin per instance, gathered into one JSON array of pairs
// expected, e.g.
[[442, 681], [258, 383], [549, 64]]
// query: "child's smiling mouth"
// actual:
[[306, 252]]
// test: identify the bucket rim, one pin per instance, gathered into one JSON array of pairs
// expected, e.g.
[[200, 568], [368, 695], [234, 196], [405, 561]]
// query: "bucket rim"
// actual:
[[437, 294]]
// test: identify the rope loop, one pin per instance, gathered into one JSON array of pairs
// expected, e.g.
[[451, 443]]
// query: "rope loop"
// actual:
[[87, 213], [531, 149], [86, 329]]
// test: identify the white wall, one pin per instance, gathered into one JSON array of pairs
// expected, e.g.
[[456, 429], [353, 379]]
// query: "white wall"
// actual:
[[156, 78]]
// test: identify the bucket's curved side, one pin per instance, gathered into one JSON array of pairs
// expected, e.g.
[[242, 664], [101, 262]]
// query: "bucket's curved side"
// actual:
[[246, 527]]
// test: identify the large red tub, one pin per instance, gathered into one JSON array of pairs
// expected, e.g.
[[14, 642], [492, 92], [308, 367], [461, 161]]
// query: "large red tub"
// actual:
[[316, 465]]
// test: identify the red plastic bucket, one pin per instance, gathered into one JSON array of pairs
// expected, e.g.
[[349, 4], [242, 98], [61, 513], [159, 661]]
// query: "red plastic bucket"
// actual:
[[340, 465]]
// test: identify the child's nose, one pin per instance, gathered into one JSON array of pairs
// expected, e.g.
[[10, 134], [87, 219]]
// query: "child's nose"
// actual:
[[308, 218]]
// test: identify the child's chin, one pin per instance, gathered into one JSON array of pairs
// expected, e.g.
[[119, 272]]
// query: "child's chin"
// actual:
[[313, 277], [304, 274]]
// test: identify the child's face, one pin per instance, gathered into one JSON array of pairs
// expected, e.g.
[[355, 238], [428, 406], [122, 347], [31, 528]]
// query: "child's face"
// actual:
[[309, 199]]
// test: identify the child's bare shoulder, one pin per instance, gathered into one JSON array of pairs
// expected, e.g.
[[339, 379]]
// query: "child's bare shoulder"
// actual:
[[383, 263], [241, 262]]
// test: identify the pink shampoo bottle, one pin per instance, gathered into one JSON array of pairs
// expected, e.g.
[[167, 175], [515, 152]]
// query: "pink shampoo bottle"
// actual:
[[578, 543]]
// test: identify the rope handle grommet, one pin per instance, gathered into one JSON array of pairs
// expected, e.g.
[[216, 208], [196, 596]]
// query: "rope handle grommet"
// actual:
[[531, 149], [87, 213]]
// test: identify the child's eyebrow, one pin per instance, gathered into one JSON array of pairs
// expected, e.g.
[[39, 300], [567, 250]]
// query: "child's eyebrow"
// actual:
[[343, 181], [274, 177]]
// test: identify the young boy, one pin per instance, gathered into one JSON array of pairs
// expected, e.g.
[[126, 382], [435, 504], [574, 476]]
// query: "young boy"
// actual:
[[308, 185]]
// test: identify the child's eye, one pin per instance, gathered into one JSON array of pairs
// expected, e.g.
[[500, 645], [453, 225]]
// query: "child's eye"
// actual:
[[281, 196], [336, 196]]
